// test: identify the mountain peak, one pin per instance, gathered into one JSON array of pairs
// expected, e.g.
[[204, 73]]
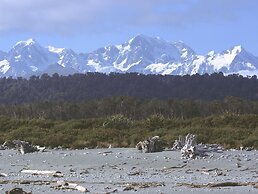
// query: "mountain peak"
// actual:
[[141, 54], [237, 49], [139, 38], [55, 50], [28, 42], [142, 37]]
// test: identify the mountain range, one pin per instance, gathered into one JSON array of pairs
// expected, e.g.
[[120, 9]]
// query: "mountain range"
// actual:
[[141, 54]]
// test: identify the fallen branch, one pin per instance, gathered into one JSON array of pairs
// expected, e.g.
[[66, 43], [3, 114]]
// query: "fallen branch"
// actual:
[[136, 186], [174, 167], [223, 184], [61, 185], [43, 172]]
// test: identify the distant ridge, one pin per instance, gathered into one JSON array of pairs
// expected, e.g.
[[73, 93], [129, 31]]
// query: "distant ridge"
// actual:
[[141, 54]]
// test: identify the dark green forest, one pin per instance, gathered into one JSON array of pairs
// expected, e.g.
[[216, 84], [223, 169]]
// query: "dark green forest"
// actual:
[[92, 86], [93, 109]]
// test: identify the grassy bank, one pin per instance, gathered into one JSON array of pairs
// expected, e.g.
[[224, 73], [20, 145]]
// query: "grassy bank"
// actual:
[[230, 130]]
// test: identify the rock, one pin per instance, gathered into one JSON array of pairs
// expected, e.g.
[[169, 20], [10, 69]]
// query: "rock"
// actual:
[[25, 147], [17, 191], [152, 144]]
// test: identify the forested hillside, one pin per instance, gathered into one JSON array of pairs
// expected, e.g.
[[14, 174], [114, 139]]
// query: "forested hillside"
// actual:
[[81, 87], [93, 109]]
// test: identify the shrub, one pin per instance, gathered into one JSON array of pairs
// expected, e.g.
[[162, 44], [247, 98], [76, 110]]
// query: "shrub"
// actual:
[[117, 122], [156, 121]]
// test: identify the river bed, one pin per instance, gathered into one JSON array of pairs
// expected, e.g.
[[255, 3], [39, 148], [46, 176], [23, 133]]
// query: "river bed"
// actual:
[[126, 170]]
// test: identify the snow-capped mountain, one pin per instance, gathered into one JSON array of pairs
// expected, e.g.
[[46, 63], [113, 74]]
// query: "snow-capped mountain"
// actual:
[[133, 56], [141, 54]]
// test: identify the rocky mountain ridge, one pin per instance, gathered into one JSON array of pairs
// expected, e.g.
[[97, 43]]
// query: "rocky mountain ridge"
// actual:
[[141, 54]]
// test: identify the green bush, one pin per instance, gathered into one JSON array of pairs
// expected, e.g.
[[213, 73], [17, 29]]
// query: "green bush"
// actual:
[[117, 122], [155, 122]]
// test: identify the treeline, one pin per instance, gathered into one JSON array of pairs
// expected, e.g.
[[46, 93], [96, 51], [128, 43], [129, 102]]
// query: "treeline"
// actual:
[[92, 86], [130, 107]]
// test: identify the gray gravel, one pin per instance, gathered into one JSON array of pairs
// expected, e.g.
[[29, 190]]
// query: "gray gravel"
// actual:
[[126, 170]]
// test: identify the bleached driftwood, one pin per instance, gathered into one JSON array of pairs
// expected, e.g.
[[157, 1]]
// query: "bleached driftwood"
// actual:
[[4, 146], [179, 143], [61, 185], [3, 174], [25, 147], [152, 144], [190, 149], [43, 172]]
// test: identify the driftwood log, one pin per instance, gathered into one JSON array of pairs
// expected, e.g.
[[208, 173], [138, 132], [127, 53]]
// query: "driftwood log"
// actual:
[[179, 143], [4, 146], [43, 172], [25, 147], [61, 185], [152, 144], [190, 149]]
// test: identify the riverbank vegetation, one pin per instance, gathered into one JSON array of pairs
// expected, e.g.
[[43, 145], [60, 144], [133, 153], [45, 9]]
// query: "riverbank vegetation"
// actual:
[[87, 126], [94, 109]]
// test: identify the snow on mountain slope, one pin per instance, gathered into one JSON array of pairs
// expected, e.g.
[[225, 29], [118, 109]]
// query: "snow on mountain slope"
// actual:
[[141, 54], [134, 55], [4, 66], [27, 57]]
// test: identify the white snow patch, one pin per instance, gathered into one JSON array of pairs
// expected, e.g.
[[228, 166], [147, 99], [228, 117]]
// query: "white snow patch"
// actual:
[[237, 49], [251, 66], [121, 65], [157, 68], [197, 63], [185, 53], [55, 50], [96, 65], [26, 43], [211, 53], [221, 60], [171, 68], [34, 68], [119, 47], [126, 48], [60, 62], [17, 58], [4, 66]]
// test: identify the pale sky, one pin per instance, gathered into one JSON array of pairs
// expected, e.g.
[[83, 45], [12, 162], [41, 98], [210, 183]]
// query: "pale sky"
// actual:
[[85, 25]]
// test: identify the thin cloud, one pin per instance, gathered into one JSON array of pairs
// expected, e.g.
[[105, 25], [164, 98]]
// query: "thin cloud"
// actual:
[[100, 16]]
